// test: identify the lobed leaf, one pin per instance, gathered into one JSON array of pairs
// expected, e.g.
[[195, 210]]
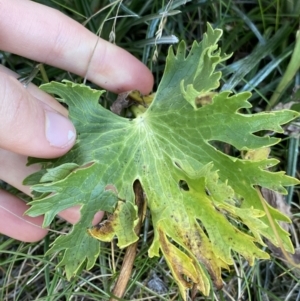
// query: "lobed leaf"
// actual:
[[199, 197]]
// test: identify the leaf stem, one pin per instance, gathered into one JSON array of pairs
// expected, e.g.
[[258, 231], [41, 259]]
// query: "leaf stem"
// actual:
[[130, 253]]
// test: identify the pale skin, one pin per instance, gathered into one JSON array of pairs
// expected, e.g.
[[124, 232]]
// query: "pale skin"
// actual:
[[32, 122]]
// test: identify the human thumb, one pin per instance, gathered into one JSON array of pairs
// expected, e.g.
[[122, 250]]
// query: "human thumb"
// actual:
[[28, 125]]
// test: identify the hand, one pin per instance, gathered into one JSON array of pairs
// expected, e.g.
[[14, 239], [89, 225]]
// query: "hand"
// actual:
[[32, 122]]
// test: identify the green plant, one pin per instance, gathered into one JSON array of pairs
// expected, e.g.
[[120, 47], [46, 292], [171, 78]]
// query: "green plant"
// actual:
[[204, 203]]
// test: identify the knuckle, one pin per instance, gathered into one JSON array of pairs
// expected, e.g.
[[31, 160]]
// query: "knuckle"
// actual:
[[58, 40]]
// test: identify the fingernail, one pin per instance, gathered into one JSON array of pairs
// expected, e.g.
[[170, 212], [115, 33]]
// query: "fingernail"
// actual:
[[60, 131]]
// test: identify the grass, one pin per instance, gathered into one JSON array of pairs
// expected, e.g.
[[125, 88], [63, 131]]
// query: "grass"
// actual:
[[262, 35]]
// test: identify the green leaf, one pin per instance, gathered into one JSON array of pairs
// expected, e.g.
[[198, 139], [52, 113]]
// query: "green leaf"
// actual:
[[204, 203]]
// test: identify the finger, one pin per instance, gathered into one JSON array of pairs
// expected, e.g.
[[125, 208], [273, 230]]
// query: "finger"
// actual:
[[14, 170], [15, 224], [72, 215], [34, 128], [13, 166], [46, 35], [38, 93]]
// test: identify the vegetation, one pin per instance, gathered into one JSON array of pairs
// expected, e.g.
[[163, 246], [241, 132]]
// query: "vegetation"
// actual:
[[262, 36]]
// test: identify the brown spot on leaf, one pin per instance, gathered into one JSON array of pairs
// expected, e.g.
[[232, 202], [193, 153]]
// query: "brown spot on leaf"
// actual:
[[204, 99], [176, 264], [101, 229], [105, 228]]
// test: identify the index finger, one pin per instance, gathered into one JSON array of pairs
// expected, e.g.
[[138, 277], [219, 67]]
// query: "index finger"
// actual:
[[46, 35]]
